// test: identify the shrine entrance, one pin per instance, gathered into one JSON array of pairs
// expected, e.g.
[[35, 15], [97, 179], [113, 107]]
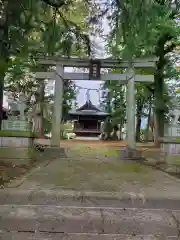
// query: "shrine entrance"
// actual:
[[95, 68], [87, 119]]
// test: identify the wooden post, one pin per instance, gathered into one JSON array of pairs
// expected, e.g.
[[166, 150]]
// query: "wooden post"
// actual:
[[58, 101]]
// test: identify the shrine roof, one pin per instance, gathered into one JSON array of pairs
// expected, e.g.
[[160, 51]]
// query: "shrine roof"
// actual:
[[88, 106], [88, 109], [90, 112]]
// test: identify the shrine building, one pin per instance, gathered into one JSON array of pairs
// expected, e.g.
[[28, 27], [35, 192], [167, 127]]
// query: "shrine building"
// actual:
[[87, 120]]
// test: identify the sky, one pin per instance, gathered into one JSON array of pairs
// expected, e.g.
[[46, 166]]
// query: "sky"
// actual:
[[5, 103], [94, 96]]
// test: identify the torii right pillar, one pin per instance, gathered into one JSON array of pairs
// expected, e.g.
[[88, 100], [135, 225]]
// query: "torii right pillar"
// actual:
[[131, 109], [130, 152]]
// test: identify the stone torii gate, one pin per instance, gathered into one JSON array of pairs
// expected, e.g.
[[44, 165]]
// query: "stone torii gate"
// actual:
[[94, 74]]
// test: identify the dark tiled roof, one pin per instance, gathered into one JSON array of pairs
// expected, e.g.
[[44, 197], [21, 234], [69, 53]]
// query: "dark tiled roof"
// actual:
[[88, 109], [88, 106], [89, 112]]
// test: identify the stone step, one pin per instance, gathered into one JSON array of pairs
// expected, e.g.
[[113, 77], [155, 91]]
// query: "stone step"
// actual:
[[32, 197], [89, 220], [72, 236]]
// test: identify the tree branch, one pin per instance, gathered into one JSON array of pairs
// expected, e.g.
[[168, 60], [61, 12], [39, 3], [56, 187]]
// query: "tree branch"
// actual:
[[170, 48], [150, 89], [55, 3], [77, 31]]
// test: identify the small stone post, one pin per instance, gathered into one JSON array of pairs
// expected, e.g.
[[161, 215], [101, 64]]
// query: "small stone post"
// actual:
[[22, 106]]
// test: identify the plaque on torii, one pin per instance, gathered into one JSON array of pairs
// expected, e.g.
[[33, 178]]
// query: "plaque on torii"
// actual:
[[95, 70]]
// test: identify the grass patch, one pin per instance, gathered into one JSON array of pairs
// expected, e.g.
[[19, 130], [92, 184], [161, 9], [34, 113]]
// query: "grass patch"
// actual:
[[173, 159], [93, 151], [156, 154], [178, 139], [18, 156], [12, 133], [14, 162], [93, 175]]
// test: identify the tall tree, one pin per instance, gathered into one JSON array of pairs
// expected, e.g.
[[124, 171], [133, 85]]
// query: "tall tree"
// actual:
[[28, 26], [146, 28]]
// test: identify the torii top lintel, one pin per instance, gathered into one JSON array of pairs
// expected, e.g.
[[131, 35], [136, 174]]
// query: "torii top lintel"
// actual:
[[105, 63]]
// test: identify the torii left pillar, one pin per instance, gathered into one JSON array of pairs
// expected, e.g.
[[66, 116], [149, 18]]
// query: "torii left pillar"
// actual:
[[57, 110], [130, 152]]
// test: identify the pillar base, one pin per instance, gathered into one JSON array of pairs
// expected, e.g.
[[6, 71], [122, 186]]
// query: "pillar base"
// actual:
[[55, 143], [54, 152], [51, 153], [130, 154]]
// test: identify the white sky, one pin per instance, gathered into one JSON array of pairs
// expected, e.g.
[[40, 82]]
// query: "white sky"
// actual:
[[94, 96], [5, 104]]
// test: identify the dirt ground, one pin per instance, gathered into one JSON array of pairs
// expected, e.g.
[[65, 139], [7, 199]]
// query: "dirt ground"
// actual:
[[119, 197], [106, 143], [97, 167], [9, 172], [91, 166]]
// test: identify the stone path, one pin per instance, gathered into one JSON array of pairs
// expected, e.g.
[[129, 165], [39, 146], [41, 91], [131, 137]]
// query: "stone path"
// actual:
[[39, 207], [100, 176], [73, 222]]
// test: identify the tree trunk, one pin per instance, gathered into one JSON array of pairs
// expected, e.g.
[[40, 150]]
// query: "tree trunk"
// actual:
[[3, 69], [4, 48], [114, 136], [138, 118], [41, 91], [148, 124], [120, 131], [156, 131], [138, 128], [107, 129], [159, 105], [1, 97]]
